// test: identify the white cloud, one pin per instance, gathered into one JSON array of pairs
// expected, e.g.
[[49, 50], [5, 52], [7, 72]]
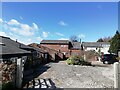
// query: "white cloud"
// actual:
[[35, 26], [24, 33], [13, 22], [29, 41], [3, 33], [24, 30], [26, 42], [62, 23], [59, 34], [39, 39], [20, 28], [81, 36], [45, 34], [63, 39], [1, 20]]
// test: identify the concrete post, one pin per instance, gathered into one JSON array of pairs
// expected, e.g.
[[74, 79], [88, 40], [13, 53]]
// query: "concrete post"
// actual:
[[117, 75], [84, 57], [19, 73]]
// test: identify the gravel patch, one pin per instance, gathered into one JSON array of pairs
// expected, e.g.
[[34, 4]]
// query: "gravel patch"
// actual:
[[74, 76]]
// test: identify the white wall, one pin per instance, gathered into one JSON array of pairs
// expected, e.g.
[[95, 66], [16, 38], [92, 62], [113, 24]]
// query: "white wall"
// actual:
[[104, 49], [91, 48]]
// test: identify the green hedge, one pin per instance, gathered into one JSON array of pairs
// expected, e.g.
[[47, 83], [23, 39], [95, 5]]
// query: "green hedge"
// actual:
[[77, 60]]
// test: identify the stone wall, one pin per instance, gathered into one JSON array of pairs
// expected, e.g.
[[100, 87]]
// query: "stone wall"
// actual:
[[8, 73]]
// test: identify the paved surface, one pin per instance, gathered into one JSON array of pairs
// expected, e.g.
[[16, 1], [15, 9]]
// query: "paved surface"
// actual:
[[68, 76]]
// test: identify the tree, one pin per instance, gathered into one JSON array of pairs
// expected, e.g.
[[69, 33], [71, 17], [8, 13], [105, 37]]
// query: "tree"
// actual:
[[100, 40], [73, 38], [115, 43], [105, 39]]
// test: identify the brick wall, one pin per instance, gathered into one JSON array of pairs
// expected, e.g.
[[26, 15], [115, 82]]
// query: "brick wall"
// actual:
[[76, 52], [53, 54], [62, 48], [57, 50]]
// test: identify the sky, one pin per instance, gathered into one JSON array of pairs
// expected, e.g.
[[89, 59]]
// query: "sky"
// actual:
[[31, 22]]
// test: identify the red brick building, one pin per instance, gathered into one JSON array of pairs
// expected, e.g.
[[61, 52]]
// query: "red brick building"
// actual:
[[50, 54], [66, 47]]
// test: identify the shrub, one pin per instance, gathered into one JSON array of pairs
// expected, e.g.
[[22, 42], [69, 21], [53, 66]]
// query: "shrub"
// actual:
[[118, 58], [77, 60]]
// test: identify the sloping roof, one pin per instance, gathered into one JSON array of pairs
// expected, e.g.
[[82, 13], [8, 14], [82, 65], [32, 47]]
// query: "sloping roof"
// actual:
[[76, 45], [36, 47], [9, 46], [54, 42], [94, 44]]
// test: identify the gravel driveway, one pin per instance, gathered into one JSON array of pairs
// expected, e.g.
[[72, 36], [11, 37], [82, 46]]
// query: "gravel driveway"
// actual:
[[69, 76]]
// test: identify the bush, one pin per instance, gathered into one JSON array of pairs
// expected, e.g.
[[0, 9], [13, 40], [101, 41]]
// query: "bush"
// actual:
[[77, 60], [118, 58]]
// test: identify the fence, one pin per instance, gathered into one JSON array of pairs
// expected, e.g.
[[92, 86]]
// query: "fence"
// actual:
[[13, 71]]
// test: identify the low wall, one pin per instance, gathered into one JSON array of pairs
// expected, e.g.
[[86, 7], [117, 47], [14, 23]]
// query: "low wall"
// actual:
[[9, 73]]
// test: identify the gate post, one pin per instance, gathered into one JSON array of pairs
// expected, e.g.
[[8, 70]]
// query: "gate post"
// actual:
[[117, 75], [19, 73]]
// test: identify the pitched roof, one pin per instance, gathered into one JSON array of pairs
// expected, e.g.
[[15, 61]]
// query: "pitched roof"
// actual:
[[54, 42], [36, 47], [94, 44], [9, 46], [76, 45]]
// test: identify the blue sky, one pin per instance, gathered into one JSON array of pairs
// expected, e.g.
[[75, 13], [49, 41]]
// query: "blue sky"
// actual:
[[32, 22]]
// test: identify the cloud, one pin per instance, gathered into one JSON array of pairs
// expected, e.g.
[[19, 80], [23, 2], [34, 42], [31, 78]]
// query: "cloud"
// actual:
[[3, 33], [39, 39], [20, 28], [1, 20], [45, 34], [13, 22], [59, 34], [35, 26], [62, 23], [26, 42], [81, 36], [24, 33], [63, 39]]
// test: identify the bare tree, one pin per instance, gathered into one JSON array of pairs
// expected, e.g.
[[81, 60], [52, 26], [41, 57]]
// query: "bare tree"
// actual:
[[105, 39], [73, 38]]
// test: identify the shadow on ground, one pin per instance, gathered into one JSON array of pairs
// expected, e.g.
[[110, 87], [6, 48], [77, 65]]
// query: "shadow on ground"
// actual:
[[38, 84], [99, 64], [35, 73]]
